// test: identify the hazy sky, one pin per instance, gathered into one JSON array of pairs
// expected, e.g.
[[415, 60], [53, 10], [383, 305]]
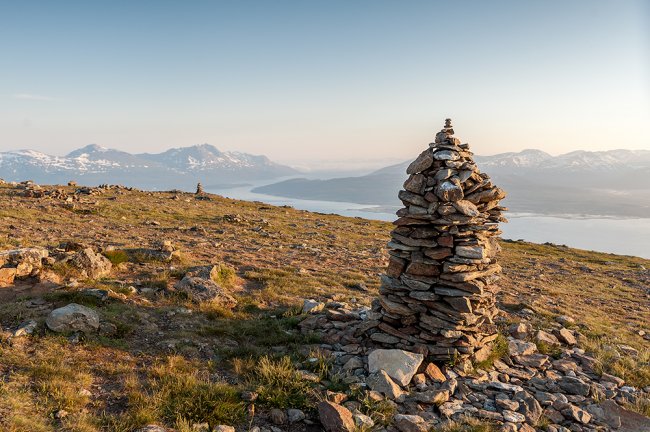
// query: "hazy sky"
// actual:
[[310, 81]]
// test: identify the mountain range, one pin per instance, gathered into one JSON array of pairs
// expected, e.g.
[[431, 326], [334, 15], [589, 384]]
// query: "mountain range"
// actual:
[[604, 183], [607, 183], [177, 168]]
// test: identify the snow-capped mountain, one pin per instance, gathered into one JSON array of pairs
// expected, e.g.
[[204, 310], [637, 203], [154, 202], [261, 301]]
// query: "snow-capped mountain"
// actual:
[[581, 182], [95, 156], [576, 160], [207, 157], [178, 168], [523, 159]]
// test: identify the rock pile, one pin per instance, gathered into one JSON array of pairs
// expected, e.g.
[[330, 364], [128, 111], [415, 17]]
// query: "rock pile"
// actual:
[[91, 264], [200, 284], [33, 190], [437, 296], [21, 264], [523, 390]]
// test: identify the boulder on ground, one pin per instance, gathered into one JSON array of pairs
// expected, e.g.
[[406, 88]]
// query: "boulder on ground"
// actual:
[[21, 263], [91, 264], [199, 285], [399, 365], [73, 318]]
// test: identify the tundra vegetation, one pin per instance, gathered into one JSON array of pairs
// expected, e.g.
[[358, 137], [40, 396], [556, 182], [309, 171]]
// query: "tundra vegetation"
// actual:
[[164, 355]]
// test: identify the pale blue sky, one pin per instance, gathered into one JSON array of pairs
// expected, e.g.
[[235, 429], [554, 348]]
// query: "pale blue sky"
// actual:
[[312, 82]]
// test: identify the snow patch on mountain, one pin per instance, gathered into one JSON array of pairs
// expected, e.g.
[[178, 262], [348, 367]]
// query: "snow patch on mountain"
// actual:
[[576, 160], [172, 168]]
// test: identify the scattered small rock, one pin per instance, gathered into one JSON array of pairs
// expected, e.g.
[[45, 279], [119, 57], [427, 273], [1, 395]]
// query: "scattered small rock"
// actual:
[[295, 415], [25, 329], [277, 416]]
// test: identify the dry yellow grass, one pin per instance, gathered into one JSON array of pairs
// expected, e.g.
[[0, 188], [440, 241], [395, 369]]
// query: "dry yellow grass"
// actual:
[[280, 256]]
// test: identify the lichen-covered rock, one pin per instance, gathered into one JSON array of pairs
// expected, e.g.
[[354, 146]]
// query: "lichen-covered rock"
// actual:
[[199, 286], [91, 264], [21, 263], [73, 318]]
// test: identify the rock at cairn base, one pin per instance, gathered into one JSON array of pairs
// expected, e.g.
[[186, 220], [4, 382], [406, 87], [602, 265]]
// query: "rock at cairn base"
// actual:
[[438, 294]]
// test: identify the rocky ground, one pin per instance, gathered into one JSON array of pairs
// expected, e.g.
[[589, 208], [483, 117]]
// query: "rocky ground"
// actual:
[[125, 310]]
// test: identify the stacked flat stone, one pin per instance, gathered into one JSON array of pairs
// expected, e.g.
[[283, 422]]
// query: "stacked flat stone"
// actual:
[[438, 294]]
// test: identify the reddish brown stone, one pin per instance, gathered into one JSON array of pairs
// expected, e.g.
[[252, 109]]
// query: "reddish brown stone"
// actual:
[[337, 398], [7, 276], [438, 253], [422, 269], [434, 373], [395, 266], [335, 418]]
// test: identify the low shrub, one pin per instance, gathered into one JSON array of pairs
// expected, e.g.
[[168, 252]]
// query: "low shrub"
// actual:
[[116, 257]]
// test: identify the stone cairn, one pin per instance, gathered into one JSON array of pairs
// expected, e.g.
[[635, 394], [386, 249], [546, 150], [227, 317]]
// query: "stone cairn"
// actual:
[[438, 294], [199, 189]]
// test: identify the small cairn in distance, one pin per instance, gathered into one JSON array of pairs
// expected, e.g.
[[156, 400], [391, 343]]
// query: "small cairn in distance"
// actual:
[[438, 294]]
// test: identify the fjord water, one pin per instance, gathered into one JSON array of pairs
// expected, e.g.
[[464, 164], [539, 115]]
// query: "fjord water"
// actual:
[[623, 236]]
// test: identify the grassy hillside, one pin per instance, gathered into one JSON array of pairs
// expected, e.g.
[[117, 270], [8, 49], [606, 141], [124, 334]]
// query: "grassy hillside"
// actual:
[[173, 361]]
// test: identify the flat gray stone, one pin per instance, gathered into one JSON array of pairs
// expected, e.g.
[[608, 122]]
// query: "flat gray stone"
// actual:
[[72, 318], [399, 365], [629, 420]]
